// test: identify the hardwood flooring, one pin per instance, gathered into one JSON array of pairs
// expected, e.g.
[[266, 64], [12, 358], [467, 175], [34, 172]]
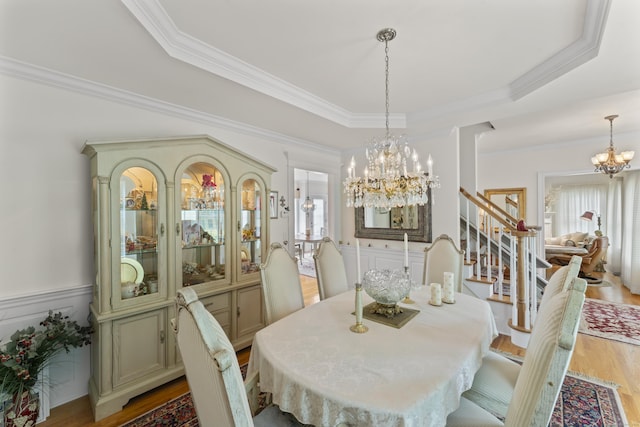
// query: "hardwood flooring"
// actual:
[[595, 357]]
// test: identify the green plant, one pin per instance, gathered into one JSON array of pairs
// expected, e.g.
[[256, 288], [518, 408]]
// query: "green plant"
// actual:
[[31, 349]]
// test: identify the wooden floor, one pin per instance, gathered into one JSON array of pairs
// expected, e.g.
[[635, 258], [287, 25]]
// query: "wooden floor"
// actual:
[[595, 357]]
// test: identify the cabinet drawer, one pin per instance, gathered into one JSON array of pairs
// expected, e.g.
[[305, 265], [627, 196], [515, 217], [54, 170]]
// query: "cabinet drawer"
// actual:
[[217, 302], [220, 307]]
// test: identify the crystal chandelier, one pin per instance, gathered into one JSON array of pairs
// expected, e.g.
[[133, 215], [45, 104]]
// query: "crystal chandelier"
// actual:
[[308, 205], [393, 176], [609, 162]]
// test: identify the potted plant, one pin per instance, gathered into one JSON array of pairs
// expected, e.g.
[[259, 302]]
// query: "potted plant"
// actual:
[[24, 357]]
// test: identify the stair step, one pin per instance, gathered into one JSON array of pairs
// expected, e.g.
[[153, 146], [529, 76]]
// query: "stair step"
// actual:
[[482, 279], [505, 299]]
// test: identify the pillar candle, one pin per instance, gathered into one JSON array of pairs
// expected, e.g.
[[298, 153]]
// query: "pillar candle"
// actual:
[[448, 291], [358, 261], [436, 294], [406, 250]]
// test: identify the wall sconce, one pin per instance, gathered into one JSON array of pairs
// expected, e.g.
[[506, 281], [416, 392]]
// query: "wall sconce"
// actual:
[[283, 203]]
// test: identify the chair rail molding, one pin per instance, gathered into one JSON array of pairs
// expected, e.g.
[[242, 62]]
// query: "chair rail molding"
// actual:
[[68, 376]]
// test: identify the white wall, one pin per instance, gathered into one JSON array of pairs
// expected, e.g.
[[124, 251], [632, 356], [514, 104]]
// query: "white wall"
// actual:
[[47, 243], [45, 184], [525, 168]]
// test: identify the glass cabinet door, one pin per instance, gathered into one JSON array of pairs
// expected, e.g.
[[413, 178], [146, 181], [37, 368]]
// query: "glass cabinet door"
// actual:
[[138, 193], [202, 217], [250, 225]]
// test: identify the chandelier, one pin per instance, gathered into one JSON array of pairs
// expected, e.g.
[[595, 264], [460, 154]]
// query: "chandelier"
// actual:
[[609, 162], [308, 205], [393, 176]]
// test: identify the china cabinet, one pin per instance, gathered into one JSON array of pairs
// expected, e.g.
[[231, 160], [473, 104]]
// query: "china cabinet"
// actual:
[[170, 213]]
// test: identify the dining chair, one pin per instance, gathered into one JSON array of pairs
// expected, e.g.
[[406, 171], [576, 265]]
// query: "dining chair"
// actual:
[[280, 284], [494, 382], [443, 255], [330, 271], [543, 368], [220, 396]]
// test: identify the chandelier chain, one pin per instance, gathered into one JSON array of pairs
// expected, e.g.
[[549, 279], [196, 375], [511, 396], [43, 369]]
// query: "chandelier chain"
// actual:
[[386, 84]]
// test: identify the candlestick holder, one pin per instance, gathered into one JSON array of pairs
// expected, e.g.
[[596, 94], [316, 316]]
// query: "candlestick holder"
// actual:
[[407, 299], [359, 328]]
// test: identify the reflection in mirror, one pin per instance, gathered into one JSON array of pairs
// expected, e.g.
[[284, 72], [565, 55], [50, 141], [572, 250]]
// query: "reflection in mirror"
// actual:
[[511, 200], [405, 217], [391, 224]]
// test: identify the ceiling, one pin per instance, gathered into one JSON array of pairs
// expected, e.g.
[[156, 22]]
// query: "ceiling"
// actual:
[[540, 72]]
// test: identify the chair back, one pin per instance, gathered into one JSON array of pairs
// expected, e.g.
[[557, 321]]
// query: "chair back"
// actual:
[[442, 256], [561, 279], [210, 365], [547, 359], [330, 271], [596, 254], [280, 284]]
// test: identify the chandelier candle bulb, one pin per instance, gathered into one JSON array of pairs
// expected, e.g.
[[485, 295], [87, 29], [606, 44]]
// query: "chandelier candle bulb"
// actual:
[[436, 294], [448, 293]]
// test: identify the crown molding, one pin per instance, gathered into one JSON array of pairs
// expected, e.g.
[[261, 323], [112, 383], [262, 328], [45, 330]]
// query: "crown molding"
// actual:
[[18, 69], [572, 56], [582, 50], [179, 45]]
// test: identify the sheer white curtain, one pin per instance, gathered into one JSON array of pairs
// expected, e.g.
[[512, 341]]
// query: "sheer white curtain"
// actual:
[[573, 201], [630, 256], [614, 225]]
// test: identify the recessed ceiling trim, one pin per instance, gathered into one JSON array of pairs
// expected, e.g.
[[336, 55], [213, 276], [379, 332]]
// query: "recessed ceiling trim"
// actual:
[[572, 56], [188, 49], [18, 69]]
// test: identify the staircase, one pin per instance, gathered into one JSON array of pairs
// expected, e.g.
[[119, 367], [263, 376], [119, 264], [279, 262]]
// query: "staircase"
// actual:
[[501, 265]]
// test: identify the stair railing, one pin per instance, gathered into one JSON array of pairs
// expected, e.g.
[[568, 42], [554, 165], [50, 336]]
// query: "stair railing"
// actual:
[[494, 231]]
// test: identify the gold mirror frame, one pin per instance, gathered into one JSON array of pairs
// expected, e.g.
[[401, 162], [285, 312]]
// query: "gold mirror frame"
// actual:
[[505, 198]]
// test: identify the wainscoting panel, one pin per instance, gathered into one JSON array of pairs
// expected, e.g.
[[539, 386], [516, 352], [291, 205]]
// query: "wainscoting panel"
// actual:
[[381, 258], [68, 374]]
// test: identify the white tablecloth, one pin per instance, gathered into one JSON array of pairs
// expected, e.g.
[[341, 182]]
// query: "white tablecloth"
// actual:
[[324, 374]]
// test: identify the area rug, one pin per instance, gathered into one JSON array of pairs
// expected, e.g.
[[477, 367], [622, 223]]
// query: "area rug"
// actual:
[[582, 402], [614, 321], [307, 267]]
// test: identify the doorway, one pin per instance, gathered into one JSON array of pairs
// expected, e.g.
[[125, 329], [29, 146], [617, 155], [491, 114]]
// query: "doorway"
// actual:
[[311, 212]]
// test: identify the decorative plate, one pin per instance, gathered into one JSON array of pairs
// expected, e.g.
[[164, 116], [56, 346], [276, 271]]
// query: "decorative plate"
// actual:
[[131, 271]]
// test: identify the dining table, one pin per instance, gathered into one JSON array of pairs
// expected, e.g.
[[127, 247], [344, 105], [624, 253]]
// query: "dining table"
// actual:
[[316, 368]]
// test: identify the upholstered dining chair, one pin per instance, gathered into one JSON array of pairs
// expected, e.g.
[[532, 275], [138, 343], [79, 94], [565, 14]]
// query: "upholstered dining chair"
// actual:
[[330, 271], [280, 284], [494, 382], [220, 396], [443, 255], [543, 369]]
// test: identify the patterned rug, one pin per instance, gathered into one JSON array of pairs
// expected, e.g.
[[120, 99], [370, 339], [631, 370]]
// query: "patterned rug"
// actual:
[[308, 267], [614, 321], [581, 402]]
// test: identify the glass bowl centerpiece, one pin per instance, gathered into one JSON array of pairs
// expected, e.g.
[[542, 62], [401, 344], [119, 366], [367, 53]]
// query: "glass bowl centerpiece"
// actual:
[[387, 287]]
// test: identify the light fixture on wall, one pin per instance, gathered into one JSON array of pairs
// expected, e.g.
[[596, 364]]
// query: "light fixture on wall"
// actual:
[[387, 181], [609, 162], [308, 205]]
